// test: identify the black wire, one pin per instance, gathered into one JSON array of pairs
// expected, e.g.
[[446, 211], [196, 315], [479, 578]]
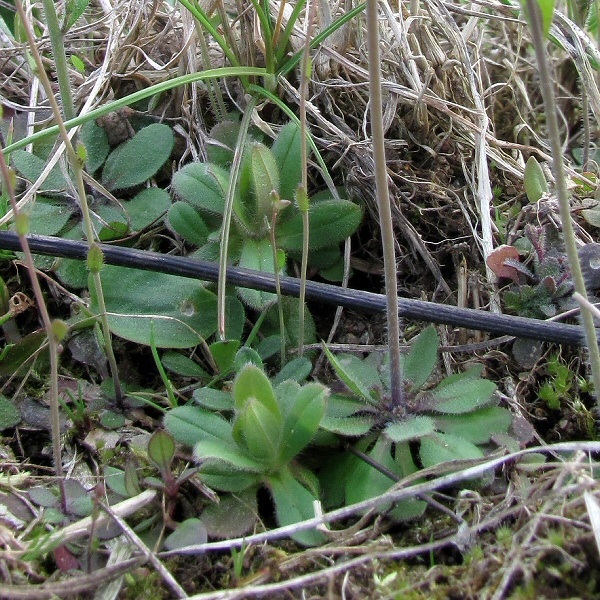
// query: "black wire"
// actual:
[[316, 292]]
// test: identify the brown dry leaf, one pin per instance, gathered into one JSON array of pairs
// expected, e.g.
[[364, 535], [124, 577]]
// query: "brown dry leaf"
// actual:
[[496, 261]]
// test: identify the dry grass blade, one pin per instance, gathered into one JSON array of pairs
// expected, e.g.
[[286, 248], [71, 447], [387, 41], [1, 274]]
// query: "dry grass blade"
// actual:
[[562, 497], [593, 509], [120, 551], [176, 589], [65, 589], [81, 528], [400, 491], [555, 500]]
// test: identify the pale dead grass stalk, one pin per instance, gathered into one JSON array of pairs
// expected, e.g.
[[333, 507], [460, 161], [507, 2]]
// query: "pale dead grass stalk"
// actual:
[[561, 485], [165, 574], [82, 584], [384, 210], [51, 335], [557, 493], [405, 489], [77, 168]]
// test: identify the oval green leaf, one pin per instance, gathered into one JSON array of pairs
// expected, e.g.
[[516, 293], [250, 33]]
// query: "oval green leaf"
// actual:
[[360, 377], [287, 151], [257, 255], [297, 369], [422, 358], [138, 159], [411, 429], [213, 399], [161, 449], [347, 426], [191, 424], [439, 448], [302, 419], [534, 180], [211, 451], [203, 185], [182, 365], [331, 222], [146, 207], [47, 217], [265, 180], [31, 166], [185, 221], [251, 382], [233, 517], [463, 395], [96, 144], [190, 532], [478, 426], [260, 431], [178, 311], [294, 503]]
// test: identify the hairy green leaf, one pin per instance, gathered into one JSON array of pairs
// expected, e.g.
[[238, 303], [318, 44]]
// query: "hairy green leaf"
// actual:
[[226, 477], [259, 430], [179, 311], [342, 406], [185, 221], [213, 399], [364, 481], [302, 419], [287, 151], [347, 426], [534, 179], [293, 503], [257, 255], [442, 447], [477, 426], [360, 377], [422, 358], [233, 516], [31, 166], [251, 382], [411, 429], [297, 369], [182, 365], [265, 181], [96, 144], [285, 393], [223, 353], [139, 158], [247, 355], [190, 532], [291, 309], [146, 207], [47, 217], [211, 451], [331, 222], [462, 395], [191, 424], [203, 185], [221, 143]]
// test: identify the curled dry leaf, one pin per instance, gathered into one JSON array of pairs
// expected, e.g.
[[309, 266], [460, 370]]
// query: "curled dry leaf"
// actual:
[[497, 260]]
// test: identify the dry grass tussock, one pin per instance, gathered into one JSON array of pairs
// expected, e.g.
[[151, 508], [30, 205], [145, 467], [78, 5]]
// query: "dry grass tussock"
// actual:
[[463, 113]]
